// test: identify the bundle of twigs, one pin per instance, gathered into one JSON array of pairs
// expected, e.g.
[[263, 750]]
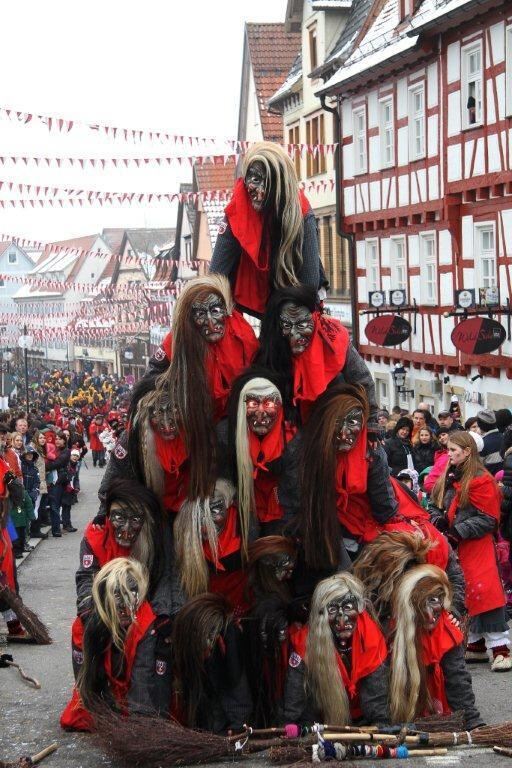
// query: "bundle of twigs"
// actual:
[[140, 740], [26, 762], [436, 723], [486, 736], [287, 754], [30, 620]]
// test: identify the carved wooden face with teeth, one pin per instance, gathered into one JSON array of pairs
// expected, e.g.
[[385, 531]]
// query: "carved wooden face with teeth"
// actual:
[[297, 325], [348, 430], [262, 411], [209, 317]]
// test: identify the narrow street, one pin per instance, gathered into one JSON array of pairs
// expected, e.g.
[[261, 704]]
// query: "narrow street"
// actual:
[[30, 719]]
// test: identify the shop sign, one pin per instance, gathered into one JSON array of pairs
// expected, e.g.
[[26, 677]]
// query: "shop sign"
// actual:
[[388, 330]]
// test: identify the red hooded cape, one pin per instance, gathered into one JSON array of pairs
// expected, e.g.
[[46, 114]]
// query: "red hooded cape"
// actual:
[[75, 717], [369, 652], [477, 557], [321, 361], [226, 358], [434, 645], [252, 279]]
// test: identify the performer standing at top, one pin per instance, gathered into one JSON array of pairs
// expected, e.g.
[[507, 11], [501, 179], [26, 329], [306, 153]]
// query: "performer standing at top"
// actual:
[[268, 239]]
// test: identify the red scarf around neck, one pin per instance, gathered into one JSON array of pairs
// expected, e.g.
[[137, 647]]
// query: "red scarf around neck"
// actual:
[[435, 645], [172, 454], [227, 543], [103, 543], [267, 449], [351, 478], [121, 685], [483, 494], [247, 225], [321, 361]]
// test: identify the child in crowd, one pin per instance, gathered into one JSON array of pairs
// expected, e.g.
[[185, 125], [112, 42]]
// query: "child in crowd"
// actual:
[[71, 484]]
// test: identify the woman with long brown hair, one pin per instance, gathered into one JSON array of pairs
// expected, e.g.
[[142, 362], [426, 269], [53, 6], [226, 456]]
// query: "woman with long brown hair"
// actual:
[[428, 672], [468, 509]]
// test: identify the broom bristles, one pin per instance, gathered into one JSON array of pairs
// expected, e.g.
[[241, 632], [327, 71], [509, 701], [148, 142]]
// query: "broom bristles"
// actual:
[[152, 742], [436, 723], [28, 618]]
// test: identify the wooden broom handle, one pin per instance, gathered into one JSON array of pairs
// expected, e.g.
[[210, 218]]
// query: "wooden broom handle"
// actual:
[[44, 753]]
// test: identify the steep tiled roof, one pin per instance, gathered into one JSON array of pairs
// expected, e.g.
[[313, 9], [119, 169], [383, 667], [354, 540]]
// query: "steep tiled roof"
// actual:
[[4, 247], [358, 14], [211, 176], [113, 238], [150, 241], [293, 79], [272, 52]]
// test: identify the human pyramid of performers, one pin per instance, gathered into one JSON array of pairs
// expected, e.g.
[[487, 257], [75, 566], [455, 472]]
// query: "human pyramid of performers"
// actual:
[[252, 561]]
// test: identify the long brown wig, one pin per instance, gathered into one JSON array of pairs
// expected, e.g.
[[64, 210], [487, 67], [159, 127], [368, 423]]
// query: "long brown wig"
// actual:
[[472, 467], [283, 201], [262, 581], [383, 562], [184, 385], [197, 627], [319, 522], [408, 692]]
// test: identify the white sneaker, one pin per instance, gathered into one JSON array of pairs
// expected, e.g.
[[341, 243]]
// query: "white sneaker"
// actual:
[[501, 664]]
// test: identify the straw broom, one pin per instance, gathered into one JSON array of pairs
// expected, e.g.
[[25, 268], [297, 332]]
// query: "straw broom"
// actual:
[[26, 616], [485, 736]]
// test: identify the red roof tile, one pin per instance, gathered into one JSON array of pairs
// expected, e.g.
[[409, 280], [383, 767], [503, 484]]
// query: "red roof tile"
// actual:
[[272, 52], [83, 243], [211, 176]]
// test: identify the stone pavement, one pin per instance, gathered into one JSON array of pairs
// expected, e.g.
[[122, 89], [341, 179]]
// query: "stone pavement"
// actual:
[[29, 719]]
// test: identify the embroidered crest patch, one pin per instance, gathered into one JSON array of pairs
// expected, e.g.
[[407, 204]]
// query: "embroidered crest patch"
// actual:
[[78, 656], [87, 560], [120, 452], [294, 660], [160, 667], [223, 226], [160, 354]]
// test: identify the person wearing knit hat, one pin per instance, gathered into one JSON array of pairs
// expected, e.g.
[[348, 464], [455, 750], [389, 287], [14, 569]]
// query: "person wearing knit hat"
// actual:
[[493, 440], [398, 447]]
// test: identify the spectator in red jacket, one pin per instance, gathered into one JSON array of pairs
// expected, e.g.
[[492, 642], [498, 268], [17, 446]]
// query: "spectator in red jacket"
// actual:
[[97, 447]]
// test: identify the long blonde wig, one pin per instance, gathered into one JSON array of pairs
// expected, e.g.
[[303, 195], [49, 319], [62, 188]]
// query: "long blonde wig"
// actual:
[[188, 541], [114, 579], [245, 470], [322, 674], [282, 184], [408, 690]]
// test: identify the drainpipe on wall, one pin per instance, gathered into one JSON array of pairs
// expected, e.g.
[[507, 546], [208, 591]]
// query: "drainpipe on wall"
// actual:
[[351, 244]]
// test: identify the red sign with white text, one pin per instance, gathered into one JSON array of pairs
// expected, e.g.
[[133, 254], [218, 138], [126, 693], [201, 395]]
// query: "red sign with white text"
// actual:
[[388, 330]]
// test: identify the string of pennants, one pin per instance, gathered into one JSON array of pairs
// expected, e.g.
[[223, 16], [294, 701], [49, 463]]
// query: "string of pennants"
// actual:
[[89, 196], [41, 336], [157, 312], [60, 124], [130, 291], [102, 163]]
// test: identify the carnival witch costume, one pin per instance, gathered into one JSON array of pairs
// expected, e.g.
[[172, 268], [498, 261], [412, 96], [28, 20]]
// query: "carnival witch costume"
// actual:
[[268, 239]]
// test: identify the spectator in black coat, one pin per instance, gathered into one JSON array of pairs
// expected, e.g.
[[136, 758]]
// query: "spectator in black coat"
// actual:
[[56, 488], [503, 419], [493, 441], [399, 447], [425, 446], [446, 419], [71, 485], [506, 504]]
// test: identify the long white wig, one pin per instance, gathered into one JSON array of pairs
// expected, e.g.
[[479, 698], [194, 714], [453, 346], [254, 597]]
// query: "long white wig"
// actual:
[[188, 541], [408, 675], [246, 503], [321, 666]]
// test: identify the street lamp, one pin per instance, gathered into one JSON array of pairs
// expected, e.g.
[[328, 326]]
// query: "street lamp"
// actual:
[[399, 375]]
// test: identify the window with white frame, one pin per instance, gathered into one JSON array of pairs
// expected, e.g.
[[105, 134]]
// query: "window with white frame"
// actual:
[[387, 133], [398, 264], [485, 256], [508, 45], [417, 122], [372, 265], [428, 268], [472, 77], [360, 154], [13, 257]]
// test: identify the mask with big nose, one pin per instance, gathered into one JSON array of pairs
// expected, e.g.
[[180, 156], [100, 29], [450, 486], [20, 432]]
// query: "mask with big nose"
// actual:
[[256, 185], [297, 325], [432, 611], [342, 616], [127, 524], [209, 317], [262, 411]]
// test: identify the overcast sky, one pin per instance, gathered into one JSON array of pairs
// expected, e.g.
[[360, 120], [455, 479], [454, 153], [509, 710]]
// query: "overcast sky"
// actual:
[[158, 64]]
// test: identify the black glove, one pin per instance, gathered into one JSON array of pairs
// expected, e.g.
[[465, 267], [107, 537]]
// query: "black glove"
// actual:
[[100, 519], [439, 521]]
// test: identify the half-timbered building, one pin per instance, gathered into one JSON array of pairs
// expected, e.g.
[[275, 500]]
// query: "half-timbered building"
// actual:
[[425, 107]]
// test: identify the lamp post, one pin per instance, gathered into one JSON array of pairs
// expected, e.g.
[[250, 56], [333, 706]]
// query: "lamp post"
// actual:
[[24, 342], [399, 373]]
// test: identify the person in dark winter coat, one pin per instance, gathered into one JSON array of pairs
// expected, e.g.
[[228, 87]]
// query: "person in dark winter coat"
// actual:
[[506, 490], [31, 479], [424, 448], [493, 440], [399, 447], [70, 481], [56, 488]]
